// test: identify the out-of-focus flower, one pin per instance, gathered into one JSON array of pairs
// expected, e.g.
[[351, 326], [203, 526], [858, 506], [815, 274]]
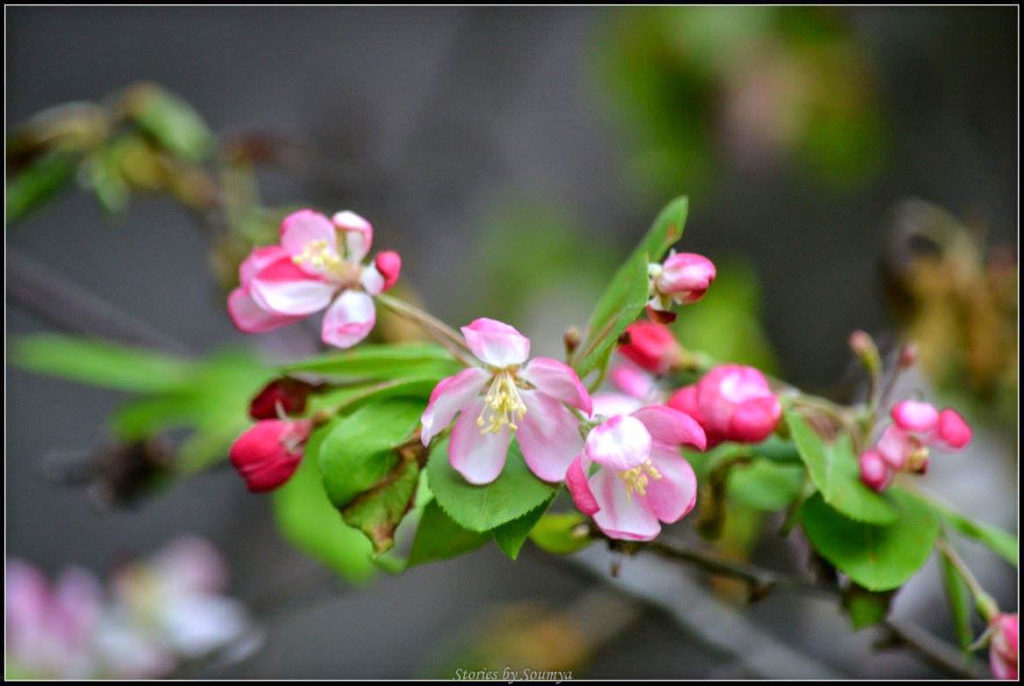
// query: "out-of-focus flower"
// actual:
[[905, 444], [318, 264], [641, 480], [1002, 652], [160, 611], [50, 629], [504, 395], [733, 403], [269, 452], [651, 346], [683, 278]]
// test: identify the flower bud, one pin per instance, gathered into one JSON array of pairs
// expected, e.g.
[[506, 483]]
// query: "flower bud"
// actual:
[[864, 348], [389, 264], [874, 471], [652, 346], [908, 355], [282, 396], [895, 447], [685, 277], [953, 430], [269, 452], [1002, 653], [736, 404], [914, 415]]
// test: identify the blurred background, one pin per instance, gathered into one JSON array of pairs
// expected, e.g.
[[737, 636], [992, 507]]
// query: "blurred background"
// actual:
[[847, 168]]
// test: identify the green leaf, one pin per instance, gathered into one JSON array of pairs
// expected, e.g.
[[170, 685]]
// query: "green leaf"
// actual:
[[834, 471], [440, 538], [103, 175], [866, 608], [482, 508], [511, 535], [879, 558], [959, 600], [360, 450], [172, 122], [378, 511], [37, 183], [995, 539], [560, 533], [627, 293], [102, 364], [765, 485], [381, 362], [777, 450], [308, 521]]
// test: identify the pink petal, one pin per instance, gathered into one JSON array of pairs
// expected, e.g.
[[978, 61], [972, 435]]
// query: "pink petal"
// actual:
[[249, 317], [283, 288], [371, 280], [875, 471], [632, 380], [894, 447], [914, 415], [612, 404], [257, 260], [619, 443], [448, 397], [389, 264], [495, 343], [953, 430], [479, 456], [548, 436], [755, 419], [576, 481], [349, 319], [621, 515], [686, 277], [357, 234], [671, 427], [674, 495], [301, 228], [559, 381]]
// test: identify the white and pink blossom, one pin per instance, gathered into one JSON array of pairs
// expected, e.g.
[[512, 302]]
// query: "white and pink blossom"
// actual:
[[641, 480], [682, 279], [317, 265], [503, 396]]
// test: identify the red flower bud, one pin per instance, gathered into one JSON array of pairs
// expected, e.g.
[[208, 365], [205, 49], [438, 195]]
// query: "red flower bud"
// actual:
[[269, 452], [953, 430], [389, 264], [736, 404], [289, 394], [875, 471], [652, 346]]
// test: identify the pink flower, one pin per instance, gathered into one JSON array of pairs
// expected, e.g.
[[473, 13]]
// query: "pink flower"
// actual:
[[318, 265], [632, 380], [651, 346], [49, 629], [733, 403], [875, 471], [269, 452], [905, 444], [641, 481], [502, 396], [1002, 653], [682, 279]]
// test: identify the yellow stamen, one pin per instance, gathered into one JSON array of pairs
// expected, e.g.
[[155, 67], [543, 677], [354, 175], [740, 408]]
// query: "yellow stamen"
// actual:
[[502, 404], [638, 477], [318, 255]]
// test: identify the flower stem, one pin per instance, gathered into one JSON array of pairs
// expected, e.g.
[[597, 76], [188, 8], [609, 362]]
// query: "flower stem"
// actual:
[[437, 329], [985, 603]]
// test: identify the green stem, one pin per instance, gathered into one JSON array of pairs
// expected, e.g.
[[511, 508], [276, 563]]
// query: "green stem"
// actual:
[[440, 331], [986, 604]]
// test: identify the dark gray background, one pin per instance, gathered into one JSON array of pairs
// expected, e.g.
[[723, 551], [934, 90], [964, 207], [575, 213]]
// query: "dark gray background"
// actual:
[[424, 119]]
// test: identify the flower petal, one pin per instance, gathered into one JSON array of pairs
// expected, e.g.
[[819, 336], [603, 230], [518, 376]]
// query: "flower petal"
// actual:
[[301, 228], [622, 515], [478, 455], [609, 404], [673, 496], [495, 343], [448, 397], [283, 288], [953, 429], [371, 280], [548, 436], [349, 319], [558, 380], [619, 443], [894, 447], [257, 260], [671, 427], [633, 380], [357, 233], [249, 317], [915, 415], [579, 487]]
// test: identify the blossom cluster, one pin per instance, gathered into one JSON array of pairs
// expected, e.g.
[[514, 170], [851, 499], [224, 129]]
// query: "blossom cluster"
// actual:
[[154, 614], [904, 444]]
